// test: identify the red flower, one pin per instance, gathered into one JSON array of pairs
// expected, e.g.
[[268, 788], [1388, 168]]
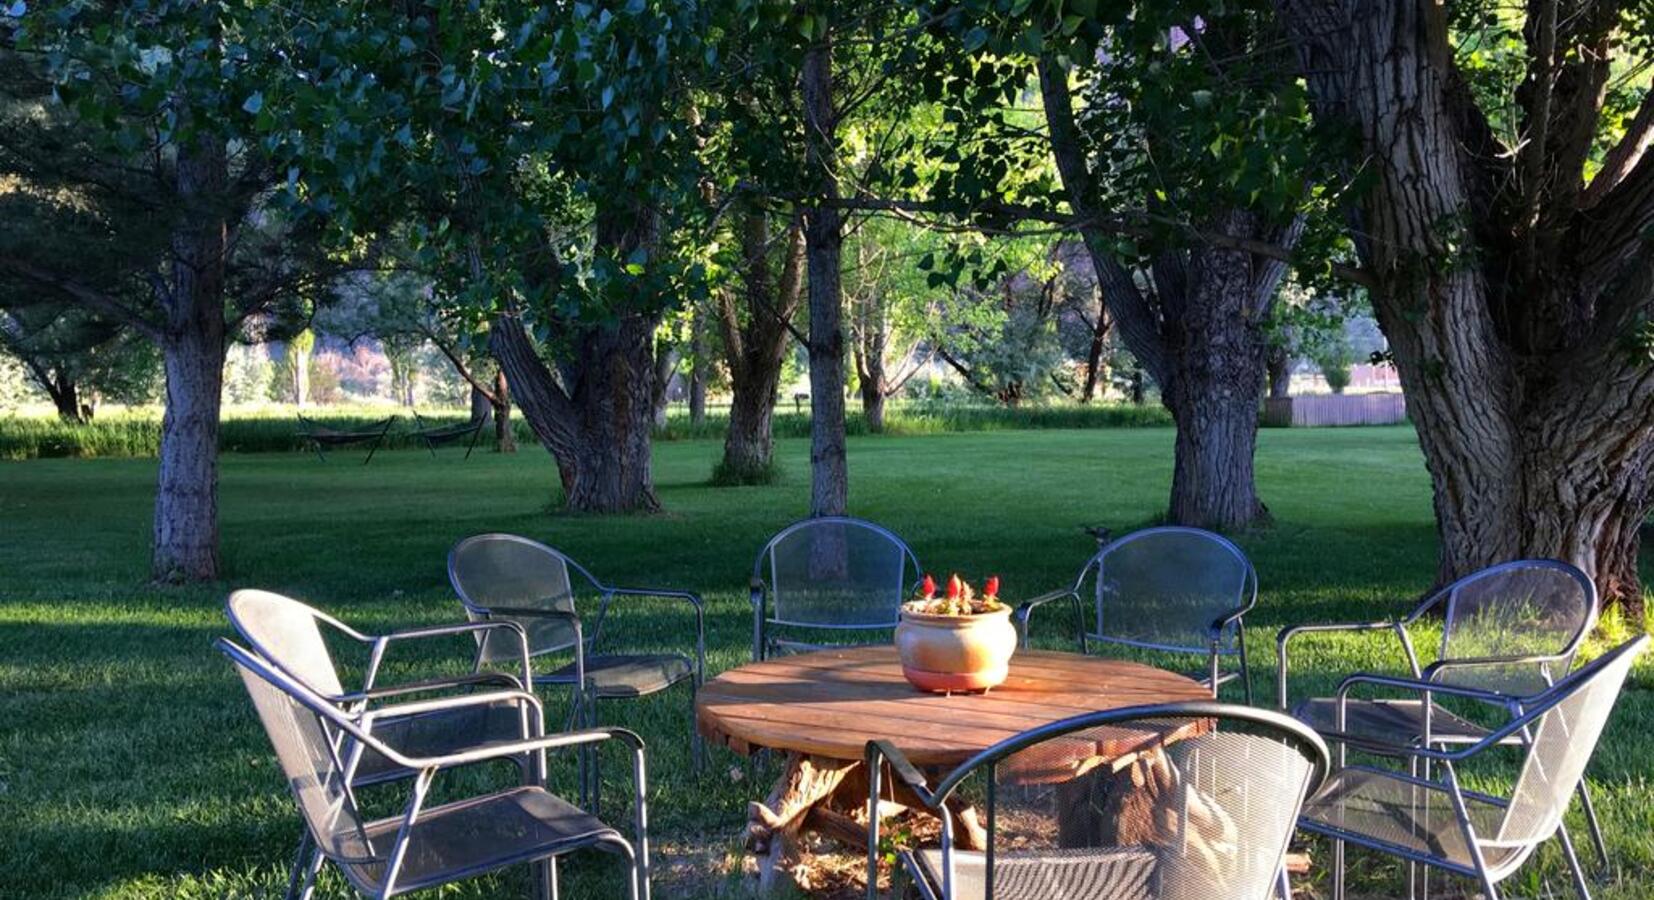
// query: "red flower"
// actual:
[[927, 588], [990, 588], [955, 587]]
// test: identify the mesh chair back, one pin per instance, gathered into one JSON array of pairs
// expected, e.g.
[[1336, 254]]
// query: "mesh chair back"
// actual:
[[1165, 587], [288, 633], [837, 572], [1519, 609], [1562, 741], [1180, 802], [305, 751], [505, 570]]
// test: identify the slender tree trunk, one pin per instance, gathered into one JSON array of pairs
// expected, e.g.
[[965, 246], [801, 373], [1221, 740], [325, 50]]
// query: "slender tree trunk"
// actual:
[[756, 349], [1280, 372], [666, 363], [1094, 355], [698, 367], [193, 345], [823, 242], [505, 436]]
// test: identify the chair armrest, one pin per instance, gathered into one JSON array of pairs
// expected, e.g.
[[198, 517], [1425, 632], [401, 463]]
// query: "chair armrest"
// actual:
[[383, 642], [901, 767], [496, 679], [693, 599], [549, 742], [1285, 636], [1511, 705], [1431, 671], [1025, 611]]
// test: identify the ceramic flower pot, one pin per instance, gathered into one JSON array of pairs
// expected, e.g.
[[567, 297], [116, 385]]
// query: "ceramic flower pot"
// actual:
[[956, 653]]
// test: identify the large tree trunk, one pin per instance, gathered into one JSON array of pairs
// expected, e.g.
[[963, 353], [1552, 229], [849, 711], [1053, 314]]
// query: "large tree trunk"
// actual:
[[872, 405], [666, 365], [1505, 307], [1214, 394], [599, 430], [749, 445], [192, 346], [65, 394], [823, 242]]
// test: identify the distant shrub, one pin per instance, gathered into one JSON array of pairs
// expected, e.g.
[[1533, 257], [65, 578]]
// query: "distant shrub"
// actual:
[[138, 434]]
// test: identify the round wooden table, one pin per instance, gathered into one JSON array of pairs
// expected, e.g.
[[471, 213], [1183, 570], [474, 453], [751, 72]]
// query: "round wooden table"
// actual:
[[822, 708]]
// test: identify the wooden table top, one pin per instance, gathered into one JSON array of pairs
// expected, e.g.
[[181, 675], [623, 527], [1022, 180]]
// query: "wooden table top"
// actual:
[[832, 702]]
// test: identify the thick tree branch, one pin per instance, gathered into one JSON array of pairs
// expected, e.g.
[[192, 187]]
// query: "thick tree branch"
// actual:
[[83, 294]]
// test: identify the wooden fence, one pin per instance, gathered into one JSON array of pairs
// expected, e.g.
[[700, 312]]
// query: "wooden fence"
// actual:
[[1315, 410]]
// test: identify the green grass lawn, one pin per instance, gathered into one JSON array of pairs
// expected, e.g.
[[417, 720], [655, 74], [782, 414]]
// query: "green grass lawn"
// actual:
[[131, 765]]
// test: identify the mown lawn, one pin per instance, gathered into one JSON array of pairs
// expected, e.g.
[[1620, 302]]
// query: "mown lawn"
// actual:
[[131, 766]]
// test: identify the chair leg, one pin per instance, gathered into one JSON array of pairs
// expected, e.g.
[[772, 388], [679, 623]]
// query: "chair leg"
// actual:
[[545, 879], [302, 860], [1573, 862], [1337, 870], [307, 888], [697, 747], [1594, 826]]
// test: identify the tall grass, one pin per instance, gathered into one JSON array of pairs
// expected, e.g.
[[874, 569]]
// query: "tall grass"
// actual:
[[138, 434]]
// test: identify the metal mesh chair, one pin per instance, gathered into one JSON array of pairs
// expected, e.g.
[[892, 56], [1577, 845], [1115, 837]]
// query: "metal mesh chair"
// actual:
[[427, 846], [1214, 791], [1441, 824], [290, 636], [1511, 629], [507, 578], [832, 573], [1171, 588]]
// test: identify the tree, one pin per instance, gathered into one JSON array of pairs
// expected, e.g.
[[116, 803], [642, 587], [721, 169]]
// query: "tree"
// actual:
[[886, 302], [1191, 311], [1503, 230], [541, 157], [755, 321], [133, 127], [75, 357]]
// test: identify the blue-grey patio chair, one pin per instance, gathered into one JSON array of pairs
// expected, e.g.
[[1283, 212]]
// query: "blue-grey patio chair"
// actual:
[[427, 846], [1171, 588], [1511, 629], [1213, 812], [563, 608], [829, 573], [1441, 824]]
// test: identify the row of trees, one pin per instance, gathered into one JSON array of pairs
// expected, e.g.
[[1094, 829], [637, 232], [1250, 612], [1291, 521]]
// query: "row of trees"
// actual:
[[565, 176]]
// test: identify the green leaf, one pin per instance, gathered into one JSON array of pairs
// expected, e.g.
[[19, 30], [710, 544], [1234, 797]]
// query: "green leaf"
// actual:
[[254, 103]]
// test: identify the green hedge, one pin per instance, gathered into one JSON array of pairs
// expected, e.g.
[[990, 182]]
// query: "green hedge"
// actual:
[[139, 435]]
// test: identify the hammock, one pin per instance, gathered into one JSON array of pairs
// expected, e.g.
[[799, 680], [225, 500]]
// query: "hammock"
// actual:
[[437, 435], [322, 437]]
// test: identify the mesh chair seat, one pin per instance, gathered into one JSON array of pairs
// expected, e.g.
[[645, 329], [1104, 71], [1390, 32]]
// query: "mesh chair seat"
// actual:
[[438, 734], [623, 675], [1408, 817], [1114, 873], [481, 834], [1386, 722]]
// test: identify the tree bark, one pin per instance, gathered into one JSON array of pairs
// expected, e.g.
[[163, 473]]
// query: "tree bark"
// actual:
[[1094, 354], [1214, 395], [1280, 371], [824, 241], [666, 364], [193, 345], [698, 367], [756, 348], [1506, 309], [65, 394], [505, 436]]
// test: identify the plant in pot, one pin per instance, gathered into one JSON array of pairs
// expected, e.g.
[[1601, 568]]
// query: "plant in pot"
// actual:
[[957, 642]]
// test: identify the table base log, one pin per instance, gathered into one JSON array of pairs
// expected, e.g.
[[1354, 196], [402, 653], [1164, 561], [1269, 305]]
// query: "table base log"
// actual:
[[823, 795]]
